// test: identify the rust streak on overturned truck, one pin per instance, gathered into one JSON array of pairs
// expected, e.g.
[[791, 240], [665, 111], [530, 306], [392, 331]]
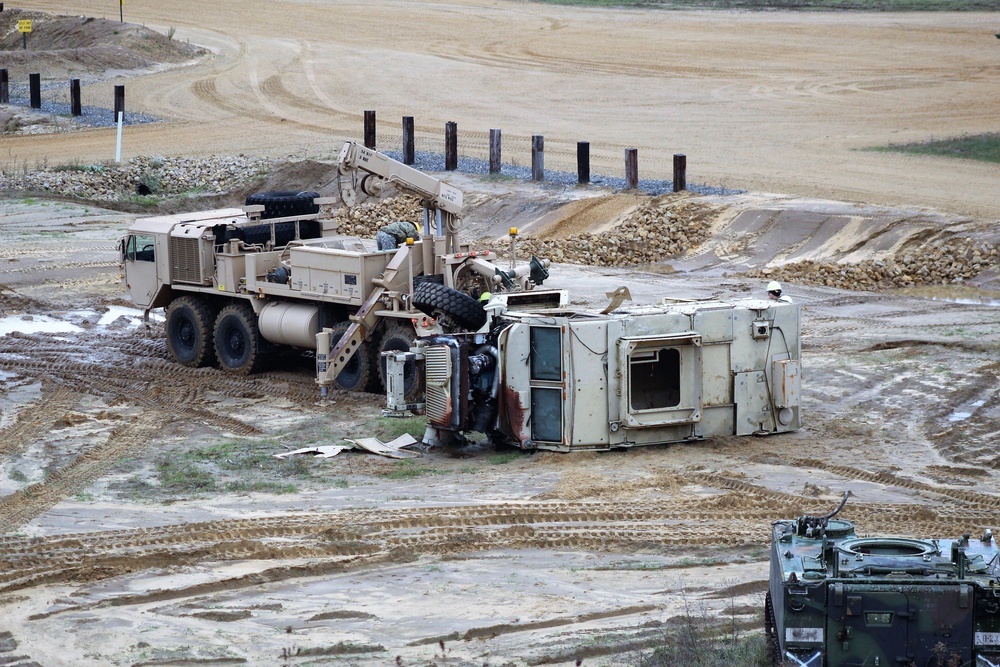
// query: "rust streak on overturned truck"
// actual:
[[239, 283], [570, 379]]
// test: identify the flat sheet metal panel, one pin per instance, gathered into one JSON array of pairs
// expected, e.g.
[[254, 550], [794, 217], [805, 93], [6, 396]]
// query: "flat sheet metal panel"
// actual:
[[750, 395]]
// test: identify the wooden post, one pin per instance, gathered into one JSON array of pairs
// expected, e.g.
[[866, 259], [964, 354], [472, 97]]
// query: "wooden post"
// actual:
[[74, 97], [631, 168], [450, 146], [35, 83], [583, 162], [119, 101], [680, 172], [409, 141], [4, 87], [370, 129], [537, 157], [495, 162]]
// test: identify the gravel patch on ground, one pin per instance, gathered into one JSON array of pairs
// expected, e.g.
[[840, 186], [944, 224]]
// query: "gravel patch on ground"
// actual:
[[91, 116]]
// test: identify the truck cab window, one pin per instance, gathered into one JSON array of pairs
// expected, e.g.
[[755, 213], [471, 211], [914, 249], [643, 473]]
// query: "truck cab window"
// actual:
[[655, 379], [140, 249], [546, 354]]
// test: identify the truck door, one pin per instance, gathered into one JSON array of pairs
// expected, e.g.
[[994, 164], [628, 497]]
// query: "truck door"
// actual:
[[138, 257]]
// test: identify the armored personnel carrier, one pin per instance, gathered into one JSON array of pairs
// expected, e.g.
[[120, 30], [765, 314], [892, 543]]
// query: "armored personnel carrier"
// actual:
[[839, 600]]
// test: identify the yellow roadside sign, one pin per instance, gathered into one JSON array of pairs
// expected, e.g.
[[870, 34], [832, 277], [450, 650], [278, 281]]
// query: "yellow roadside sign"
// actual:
[[24, 25]]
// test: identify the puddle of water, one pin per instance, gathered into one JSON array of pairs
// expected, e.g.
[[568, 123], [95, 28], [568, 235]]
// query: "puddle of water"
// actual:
[[966, 411], [47, 324], [37, 324], [954, 294]]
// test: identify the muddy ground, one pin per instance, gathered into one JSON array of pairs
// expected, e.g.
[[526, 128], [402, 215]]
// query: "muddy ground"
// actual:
[[144, 522]]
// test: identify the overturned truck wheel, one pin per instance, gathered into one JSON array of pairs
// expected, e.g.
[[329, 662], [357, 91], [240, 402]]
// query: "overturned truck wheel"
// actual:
[[190, 323], [459, 306]]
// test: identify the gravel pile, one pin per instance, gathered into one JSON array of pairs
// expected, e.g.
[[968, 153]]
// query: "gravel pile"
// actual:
[[90, 116], [655, 231], [141, 175], [938, 263], [365, 219]]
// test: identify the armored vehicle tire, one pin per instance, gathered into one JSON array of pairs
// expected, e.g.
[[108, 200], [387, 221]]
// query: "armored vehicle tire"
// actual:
[[284, 203], [400, 338], [466, 311], [237, 339], [360, 373], [190, 324]]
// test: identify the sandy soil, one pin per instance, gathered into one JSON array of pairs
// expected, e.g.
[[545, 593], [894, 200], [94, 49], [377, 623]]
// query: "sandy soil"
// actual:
[[771, 101], [474, 556]]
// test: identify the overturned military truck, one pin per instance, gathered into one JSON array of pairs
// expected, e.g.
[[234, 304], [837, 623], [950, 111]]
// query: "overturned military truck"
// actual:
[[565, 380], [839, 600]]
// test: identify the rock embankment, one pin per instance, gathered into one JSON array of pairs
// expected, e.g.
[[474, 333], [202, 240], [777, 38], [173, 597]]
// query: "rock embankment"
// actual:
[[939, 262], [138, 177]]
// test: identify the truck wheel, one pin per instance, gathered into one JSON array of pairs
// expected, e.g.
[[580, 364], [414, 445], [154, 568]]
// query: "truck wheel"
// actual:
[[400, 338], [190, 320], [360, 373], [461, 307], [237, 341], [285, 203]]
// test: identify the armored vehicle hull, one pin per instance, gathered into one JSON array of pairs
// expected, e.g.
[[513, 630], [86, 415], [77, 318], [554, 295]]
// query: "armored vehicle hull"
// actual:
[[837, 600]]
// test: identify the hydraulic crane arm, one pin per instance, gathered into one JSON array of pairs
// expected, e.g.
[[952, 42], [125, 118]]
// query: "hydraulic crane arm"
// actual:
[[381, 170]]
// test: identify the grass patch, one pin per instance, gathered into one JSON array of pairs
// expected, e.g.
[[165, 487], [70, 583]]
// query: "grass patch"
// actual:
[[839, 5], [259, 486], [252, 455], [501, 459], [407, 470], [982, 147], [390, 428], [183, 476], [17, 476]]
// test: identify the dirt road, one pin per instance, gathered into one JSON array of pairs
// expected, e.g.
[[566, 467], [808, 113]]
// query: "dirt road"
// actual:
[[775, 101]]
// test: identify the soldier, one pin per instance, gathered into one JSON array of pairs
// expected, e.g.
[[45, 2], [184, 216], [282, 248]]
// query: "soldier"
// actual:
[[390, 236], [774, 292]]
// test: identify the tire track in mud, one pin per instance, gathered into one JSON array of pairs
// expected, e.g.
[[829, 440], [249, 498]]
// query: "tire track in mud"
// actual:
[[37, 419], [24, 505], [730, 520]]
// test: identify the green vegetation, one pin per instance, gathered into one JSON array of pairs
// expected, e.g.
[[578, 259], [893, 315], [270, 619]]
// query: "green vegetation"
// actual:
[[260, 487], [501, 459], [183, 476], [408, 469], [95, 167], [857, 5], [17, 476], [390, 428], [983, 147]]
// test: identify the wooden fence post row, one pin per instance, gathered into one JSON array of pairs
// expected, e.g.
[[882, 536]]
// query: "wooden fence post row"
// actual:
[[537, 151]]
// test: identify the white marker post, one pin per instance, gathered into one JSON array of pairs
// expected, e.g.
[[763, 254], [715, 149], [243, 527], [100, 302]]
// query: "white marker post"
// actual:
[[118, 149]]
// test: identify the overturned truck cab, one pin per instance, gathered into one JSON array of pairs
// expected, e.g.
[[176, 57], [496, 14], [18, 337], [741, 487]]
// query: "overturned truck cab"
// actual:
[[565, 380]]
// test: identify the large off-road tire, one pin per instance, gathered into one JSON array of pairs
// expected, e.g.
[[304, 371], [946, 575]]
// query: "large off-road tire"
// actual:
[[360, 374], [460, 307], [190, 324], [237, 340], [400, 338], [285, 203]]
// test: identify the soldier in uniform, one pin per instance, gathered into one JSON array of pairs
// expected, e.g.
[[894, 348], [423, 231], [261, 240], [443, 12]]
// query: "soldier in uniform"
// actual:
[[390, 236]]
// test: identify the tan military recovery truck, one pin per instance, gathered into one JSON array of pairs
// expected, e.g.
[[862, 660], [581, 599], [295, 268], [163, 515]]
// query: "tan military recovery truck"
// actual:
[[237, 283], [570, 379]]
